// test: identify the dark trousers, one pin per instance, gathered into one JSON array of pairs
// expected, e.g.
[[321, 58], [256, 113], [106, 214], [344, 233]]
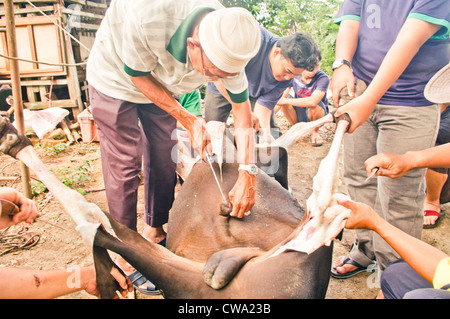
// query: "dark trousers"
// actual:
[[401, 281], [130, 132]]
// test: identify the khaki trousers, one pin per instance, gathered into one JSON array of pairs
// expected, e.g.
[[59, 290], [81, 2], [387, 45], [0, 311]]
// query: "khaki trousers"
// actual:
[[390, 129]]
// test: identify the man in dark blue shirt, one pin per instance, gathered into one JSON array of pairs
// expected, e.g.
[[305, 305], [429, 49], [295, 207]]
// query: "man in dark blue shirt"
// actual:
[[269, 73]]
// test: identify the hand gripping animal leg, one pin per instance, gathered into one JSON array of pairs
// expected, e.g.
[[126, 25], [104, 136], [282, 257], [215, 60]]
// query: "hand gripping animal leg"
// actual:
[[325, 218]]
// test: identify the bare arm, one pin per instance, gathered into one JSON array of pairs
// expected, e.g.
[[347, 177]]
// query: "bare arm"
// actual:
[[346, 44], [394, 165], [414, 251], [310, 101], [159, 95], [242, 195], [264, 115], [45, 284], [222, 90]]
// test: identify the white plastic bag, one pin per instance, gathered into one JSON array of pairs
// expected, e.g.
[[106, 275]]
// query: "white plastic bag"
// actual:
[[44, 121]]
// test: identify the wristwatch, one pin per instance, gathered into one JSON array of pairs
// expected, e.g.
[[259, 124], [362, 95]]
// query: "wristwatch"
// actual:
[[339, 62], [251, 168]]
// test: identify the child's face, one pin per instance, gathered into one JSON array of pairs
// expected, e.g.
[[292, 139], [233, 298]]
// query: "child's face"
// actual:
[[309, 74]]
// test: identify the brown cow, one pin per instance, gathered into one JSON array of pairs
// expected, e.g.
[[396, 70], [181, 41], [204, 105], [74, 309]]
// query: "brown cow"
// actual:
[[213, 256]]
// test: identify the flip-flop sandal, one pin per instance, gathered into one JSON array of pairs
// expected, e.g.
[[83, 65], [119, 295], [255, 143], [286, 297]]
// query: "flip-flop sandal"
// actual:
[[138, 280], [315, 143], [434, 213], [347, 260]]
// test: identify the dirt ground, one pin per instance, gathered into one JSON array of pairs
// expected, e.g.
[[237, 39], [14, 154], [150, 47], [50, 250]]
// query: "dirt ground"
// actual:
[[60, 246]]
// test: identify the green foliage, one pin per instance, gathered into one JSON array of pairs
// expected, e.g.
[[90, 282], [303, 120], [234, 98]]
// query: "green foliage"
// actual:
[[37, 188], [58, 148], [247, 4], [75, 177], [284, 17], [71, 177]]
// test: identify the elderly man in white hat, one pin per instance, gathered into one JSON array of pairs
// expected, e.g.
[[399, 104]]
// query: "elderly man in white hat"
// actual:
[[146, 53]]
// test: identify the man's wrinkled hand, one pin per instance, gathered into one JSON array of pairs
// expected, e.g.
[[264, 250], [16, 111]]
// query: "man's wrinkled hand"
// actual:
[[255, 122], [199, 135], [242, 196]]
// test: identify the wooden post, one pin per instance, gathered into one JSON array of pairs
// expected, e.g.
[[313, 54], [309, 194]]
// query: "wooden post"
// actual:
[[16, 89]]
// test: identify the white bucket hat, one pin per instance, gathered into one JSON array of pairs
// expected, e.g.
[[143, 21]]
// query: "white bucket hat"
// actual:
[[230, 37], [437, 89]]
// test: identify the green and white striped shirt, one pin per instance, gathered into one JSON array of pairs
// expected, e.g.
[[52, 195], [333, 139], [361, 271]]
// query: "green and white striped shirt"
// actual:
[[142, 37]]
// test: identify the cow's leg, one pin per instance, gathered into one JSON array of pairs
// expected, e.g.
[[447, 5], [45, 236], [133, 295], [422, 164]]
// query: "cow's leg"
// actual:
[[325, 219], [19, 146], [300, 130], [326, 178], [106, 283]]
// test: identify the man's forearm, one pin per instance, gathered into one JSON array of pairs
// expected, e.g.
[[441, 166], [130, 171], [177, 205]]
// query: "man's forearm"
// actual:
[[414, 251], [436, 157], [264, 115], [160, 96], [347, 39], [245, 138], [42, 284]]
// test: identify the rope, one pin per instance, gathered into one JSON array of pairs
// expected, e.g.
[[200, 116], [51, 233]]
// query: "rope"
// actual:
[[47, 63], [22, 240]]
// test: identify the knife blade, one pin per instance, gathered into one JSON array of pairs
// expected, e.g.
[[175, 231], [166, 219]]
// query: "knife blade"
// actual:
[[208, 158], [372, 173]]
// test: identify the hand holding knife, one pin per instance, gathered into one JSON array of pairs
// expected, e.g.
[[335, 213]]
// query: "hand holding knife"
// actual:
[[372, 173], [8, 209], [15, 208]]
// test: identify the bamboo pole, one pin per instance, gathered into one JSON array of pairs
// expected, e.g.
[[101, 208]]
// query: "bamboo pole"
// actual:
[[16, 88]]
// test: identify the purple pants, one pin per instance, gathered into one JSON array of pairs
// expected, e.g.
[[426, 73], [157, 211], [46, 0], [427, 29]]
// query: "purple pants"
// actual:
[[129, 132]]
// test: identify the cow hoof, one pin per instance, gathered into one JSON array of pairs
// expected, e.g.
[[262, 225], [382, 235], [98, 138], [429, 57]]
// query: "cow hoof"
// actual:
[[223, 265], [11, 141]]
